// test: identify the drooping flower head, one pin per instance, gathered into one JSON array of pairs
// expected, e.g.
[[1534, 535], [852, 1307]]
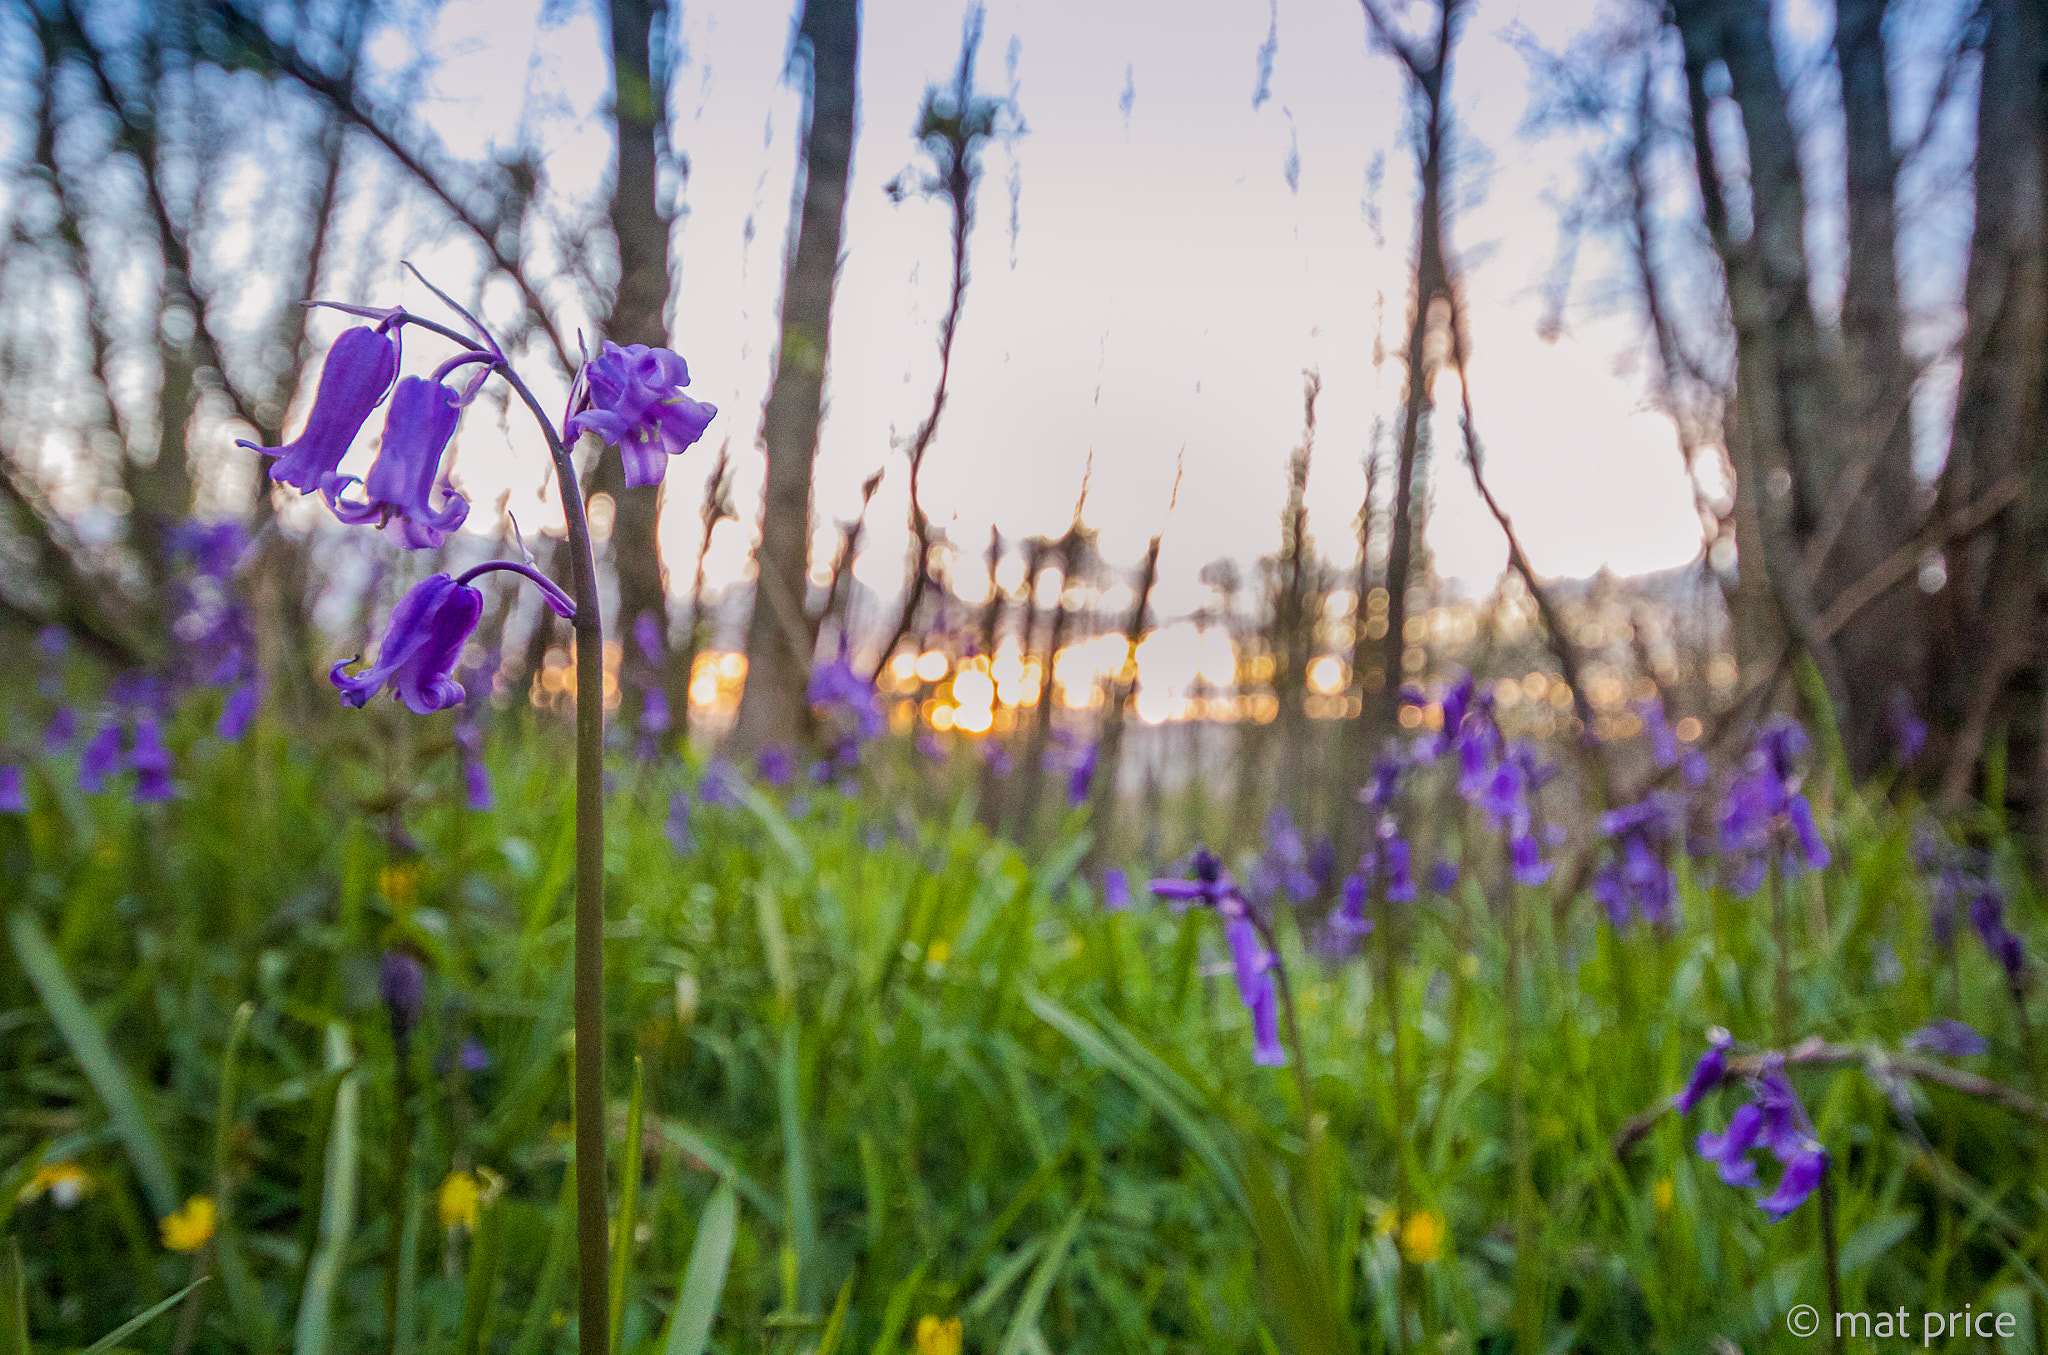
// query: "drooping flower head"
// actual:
[[1949, 1038], [632, 397], [1251, 961], [1638, 879], [1116, 889], [1772, 1120], [1908, 729], [358, 373], [400, 489], [101, 759], [422, 644], [1282, 865], [1764, 817]]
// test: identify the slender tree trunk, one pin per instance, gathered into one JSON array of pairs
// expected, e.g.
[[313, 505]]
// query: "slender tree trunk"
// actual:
[[778, 634], [639, 315]]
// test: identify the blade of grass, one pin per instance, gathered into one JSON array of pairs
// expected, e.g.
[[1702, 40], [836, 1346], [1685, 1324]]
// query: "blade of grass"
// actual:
[[13, 1301], [89, 1046], [139, 1321], [554, 1268], [897, 1310], [629, 1199], [1184, 1120], [703, 1278], [835, 1326], [337, 1201], [796, 1171], [484, 1253], [1024, 1321]]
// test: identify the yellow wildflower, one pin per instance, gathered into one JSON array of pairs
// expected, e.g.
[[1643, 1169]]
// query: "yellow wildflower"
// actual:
[[938, 952], [1662, 1194], [1422, 1236], [460, 1200], [936, 1337], [64, 1182], [400, 883], [191, 1227]]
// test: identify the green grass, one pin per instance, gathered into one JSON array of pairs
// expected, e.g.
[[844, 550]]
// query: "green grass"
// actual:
[[1054, 1132]]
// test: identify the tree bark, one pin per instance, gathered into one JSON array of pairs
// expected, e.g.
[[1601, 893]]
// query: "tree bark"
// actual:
[[638, 315], [779, 640]]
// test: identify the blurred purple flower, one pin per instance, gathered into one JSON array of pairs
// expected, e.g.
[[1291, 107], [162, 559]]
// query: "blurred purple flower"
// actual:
[[152, 763], [13, 795], [1802, 1176], [1707, 1073], [237, 712], [776, 764], [101, 759], [358, 373], [632, 397], [1000, 763], [402, 480], [840, 693], [1211, 883], [928, 746], [422, 643], [719, 785], [1080, 775], [648, 636], [52, 641], [1663, 741], [1907, 727], [1949, 1038], [402, 984], [62, 729], [1765, 817], [473, 1057], [1729, 1150], [1116, 889], [1525, 860], [1638, 880], [677, 828], [1443, 876], [1348, 918]]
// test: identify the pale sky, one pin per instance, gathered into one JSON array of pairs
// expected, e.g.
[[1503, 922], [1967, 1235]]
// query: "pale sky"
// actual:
[[1166, 289]]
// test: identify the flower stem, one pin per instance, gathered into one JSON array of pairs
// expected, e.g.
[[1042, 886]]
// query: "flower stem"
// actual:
[[593, 1300], [1831, 1252], [1781, 937]]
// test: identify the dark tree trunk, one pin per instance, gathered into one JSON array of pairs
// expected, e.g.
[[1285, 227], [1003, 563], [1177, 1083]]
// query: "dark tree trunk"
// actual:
[[638, 315], [779, 639]]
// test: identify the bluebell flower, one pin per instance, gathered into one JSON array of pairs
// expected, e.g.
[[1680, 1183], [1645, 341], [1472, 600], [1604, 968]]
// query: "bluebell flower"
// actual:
[[402, 984], [13, 795], [1949, 1038], [719, 785], [1282, 865], [237, 712], [152, 763], [1348, 918], [476, 777], [776, 765], [401, 483], [1801, 1177], [1638, 880], [1764, 815], [1663, 739], [1116, 889], [422, 643], [1525, 860], [101, 759], [632, 397], [357, 375], [1443, 876], [473, 1057], [839, 694], [1080, 775], [677, 827], [61, 730], [1729, 1150], [998, 760], [1908, 729], [1211, 883], [1707, 1073]]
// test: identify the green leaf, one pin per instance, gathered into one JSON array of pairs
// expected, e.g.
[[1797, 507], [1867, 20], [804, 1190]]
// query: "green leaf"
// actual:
[[1875, 1238], [1184, 1120], [13, 1301], [897, 1311], [139, 1321], [1024, 1322], [89, 1046], [796, 1173], [629, 1198], [703, 1279], [835, 1326], [1299, 1286], [337, 1200]]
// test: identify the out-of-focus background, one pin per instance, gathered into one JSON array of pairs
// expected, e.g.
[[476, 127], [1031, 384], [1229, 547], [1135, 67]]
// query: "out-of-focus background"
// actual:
[[1699, 317]]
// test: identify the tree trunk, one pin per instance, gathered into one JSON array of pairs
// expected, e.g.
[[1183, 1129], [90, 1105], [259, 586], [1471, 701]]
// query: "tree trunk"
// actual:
[[779, 640], [638, 315]]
